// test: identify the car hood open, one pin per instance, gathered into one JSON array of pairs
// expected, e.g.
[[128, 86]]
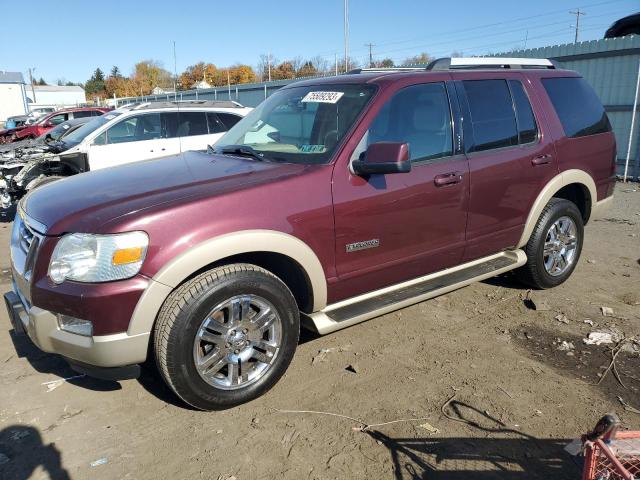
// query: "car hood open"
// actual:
[[84, 202]]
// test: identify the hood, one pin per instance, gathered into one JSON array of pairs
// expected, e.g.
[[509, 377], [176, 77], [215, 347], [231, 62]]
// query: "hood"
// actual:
[[84, 202]]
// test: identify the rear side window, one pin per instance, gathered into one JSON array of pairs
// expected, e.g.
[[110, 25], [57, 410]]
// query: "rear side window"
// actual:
[[82, 113], [228, 119], [577, 106], [215, 125], [492, 117], [527, 129], [191, 124]]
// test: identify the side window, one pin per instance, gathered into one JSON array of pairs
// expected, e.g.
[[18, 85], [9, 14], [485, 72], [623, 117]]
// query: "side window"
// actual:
[[169, 124], [418, 115], [82, 113], [229, 119], [101, 139], [492, 117], [58, 119], [191, 123], [135, 129], [527, 128], [577, 106], [215, 125]]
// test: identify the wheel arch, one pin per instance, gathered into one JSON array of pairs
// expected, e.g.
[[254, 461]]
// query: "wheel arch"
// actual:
[[262, 247], [574, 185]]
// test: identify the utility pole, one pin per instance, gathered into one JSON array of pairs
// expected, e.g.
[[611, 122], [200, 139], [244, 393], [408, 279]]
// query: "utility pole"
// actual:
[[577, 13], [33, 90], [269, 64], [370, 45], [175, 74], [336, 63], [346, 35]]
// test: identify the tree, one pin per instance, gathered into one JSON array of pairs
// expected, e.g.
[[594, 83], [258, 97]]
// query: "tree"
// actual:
[[262, 69], [95, 85], [198, 72], [241, 74], [386, 63], [41, 81], [115, 72], [421, 59], [283, 71], [320, 64], [307, 70], [149, 74]]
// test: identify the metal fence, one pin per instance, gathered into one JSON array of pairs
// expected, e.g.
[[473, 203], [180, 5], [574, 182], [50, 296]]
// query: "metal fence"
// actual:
[[611, 66]]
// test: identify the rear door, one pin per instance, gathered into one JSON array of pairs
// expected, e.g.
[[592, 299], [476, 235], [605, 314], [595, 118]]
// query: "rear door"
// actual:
[[511, 156], [132, 139], [193, 131]]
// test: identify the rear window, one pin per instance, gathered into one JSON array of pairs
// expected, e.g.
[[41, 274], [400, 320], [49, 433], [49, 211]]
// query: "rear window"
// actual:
[[577, 105], [492, 117]]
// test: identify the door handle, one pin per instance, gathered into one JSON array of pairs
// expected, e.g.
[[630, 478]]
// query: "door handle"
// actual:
[[445, 179], [541, 159]]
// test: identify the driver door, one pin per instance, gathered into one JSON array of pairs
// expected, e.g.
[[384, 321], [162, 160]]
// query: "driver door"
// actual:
[[395, 227]]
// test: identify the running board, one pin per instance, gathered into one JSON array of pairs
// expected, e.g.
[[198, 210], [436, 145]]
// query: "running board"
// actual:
[[364, 307]]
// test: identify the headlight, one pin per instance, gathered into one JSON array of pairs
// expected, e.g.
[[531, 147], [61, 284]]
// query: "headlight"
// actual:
[[91, 258]]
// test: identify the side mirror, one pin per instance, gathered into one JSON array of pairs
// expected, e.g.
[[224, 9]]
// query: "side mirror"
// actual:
[[383, 157]]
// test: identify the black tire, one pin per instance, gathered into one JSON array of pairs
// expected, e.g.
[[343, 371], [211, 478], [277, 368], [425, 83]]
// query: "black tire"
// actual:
[[533, 273], [187, 307]]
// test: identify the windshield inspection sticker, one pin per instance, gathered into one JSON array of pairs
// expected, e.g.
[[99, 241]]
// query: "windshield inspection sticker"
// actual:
[[322, 97]]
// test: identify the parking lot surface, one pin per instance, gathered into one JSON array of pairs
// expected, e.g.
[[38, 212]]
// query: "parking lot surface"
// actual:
[[492, 379]]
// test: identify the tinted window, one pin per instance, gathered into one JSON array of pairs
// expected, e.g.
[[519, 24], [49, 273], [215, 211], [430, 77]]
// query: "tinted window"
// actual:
[[418, 115], [135, 129], [492, 117], [577, 106], [229, 119], [192, 123], [527, 129], [215, 125], [83, 113], [170, 124]]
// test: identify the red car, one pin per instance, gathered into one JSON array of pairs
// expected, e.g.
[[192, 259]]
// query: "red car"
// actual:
[[49, 121], [334, 201]]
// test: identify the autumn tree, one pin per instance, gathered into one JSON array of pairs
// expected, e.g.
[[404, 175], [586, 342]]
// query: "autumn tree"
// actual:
[[307, 70], [240, 73], [421, 59], [283, 71], [149, 74], [198, 72]]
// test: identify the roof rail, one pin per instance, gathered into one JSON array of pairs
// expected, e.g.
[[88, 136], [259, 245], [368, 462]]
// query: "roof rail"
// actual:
[[464, 63], [184, 104], [384, 70]]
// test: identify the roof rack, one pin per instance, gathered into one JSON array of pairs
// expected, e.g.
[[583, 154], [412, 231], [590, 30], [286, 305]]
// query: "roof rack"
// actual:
[[465, 63], [184, 104], [384, 70]]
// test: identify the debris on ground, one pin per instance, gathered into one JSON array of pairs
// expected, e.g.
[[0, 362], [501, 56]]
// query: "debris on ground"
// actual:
[[562, 318], [353, 368], [566, 346], [430, 428], [628, 407], [598, 338], [606, 311], [324, 352], [588, 321], [100, 461], [52, 385], [533, 304]]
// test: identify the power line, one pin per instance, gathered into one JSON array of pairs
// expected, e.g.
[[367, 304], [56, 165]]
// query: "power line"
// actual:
[[370, 45]]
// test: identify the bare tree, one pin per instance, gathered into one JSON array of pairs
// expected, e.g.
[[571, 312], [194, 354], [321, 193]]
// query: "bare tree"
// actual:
[[321, 64]]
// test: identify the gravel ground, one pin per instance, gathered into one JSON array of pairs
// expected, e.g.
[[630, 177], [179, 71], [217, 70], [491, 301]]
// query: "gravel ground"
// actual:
[[491, 354]]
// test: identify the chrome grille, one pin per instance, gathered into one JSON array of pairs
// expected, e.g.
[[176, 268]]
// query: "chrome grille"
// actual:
[[26, 237]]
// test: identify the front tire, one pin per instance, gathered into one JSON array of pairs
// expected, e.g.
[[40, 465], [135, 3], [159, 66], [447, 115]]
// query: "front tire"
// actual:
[[226, 336], [554, 247]]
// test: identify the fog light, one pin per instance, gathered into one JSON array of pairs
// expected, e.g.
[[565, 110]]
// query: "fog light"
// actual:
[[75, 325]]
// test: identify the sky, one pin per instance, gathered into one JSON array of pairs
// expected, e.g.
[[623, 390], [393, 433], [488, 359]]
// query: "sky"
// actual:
[[68, 39]]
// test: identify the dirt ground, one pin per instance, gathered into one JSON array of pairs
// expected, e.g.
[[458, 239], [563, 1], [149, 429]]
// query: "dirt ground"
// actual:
[[519, 393]]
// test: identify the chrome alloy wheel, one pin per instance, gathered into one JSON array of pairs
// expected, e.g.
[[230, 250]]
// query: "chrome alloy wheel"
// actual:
[[560, 246], [237, 342]]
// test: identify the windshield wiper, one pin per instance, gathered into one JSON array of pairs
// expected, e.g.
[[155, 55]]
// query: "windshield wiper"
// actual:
[[243, 150]]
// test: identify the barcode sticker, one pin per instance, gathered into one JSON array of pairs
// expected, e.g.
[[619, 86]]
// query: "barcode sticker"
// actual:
[[322, 97]]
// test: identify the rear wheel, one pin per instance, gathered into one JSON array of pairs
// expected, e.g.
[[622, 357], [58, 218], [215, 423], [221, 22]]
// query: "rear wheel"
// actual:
[[226, 336], [554, 247]]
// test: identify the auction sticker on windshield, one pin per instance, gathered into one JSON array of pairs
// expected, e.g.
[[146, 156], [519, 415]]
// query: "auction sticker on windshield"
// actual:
[[322, 97]]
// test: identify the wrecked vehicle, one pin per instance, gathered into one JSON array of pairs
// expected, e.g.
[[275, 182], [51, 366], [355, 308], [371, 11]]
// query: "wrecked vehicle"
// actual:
[[34, 154], [50, 120]]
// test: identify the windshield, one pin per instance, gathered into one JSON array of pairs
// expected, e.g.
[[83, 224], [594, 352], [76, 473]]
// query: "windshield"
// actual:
[[299, 124], [75, 137], [55, 133]]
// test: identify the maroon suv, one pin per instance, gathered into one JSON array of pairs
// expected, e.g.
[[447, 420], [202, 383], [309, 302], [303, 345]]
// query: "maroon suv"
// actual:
[[336, 200]]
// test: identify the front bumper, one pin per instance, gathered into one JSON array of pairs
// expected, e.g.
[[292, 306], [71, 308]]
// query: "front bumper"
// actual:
[[41, 326]]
